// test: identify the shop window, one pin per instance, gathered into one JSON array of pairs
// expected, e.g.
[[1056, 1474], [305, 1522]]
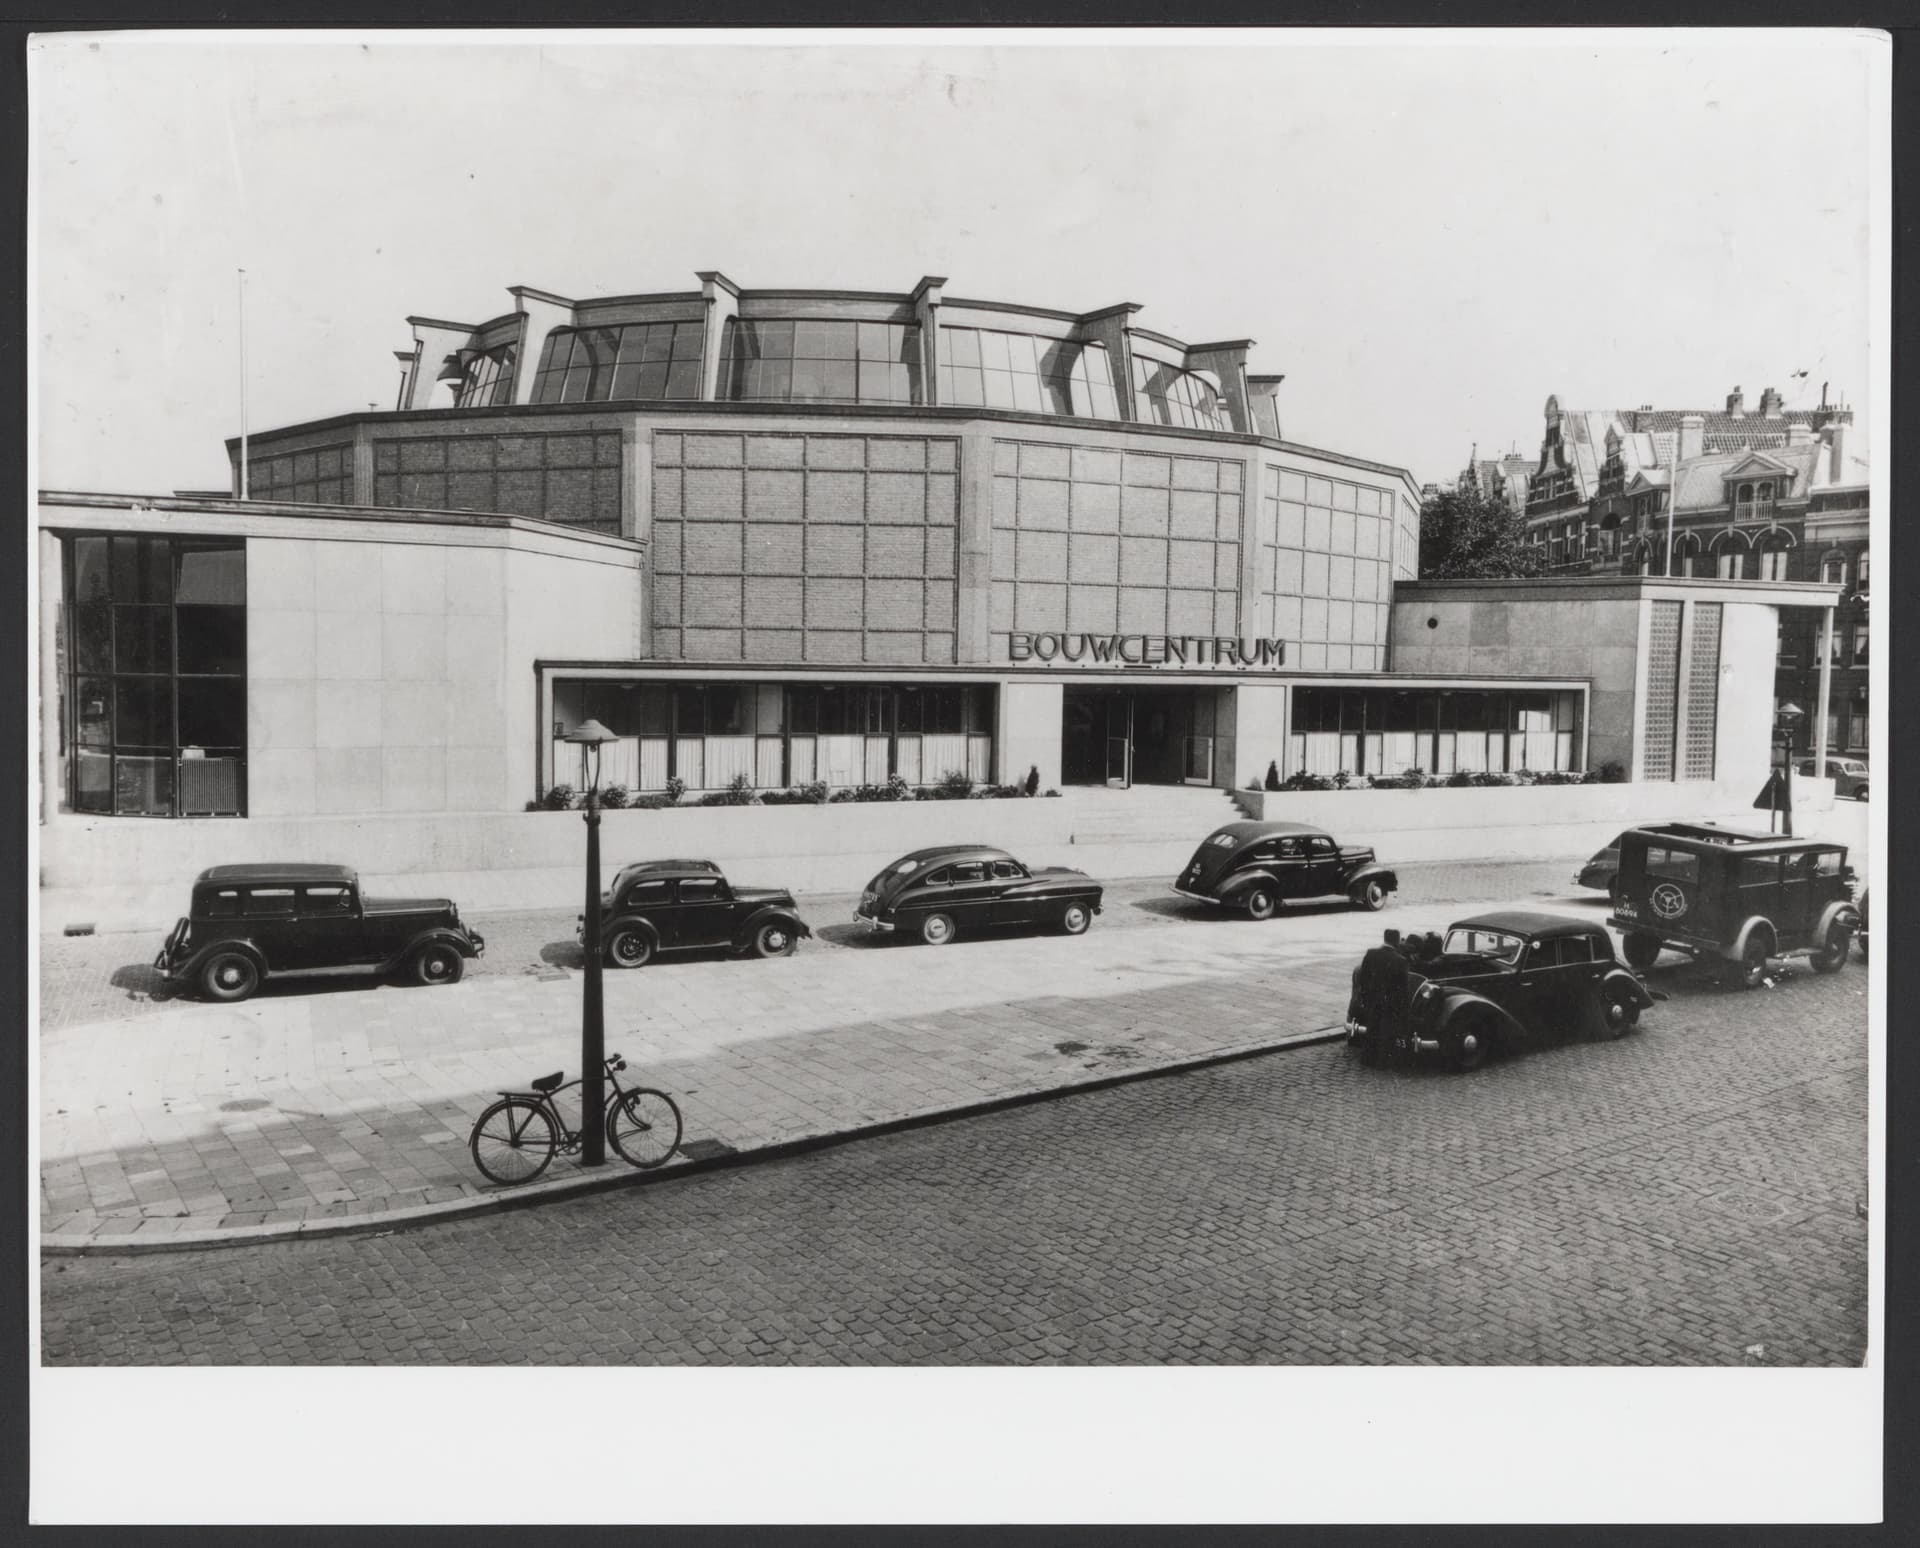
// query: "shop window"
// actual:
[[155, 708]]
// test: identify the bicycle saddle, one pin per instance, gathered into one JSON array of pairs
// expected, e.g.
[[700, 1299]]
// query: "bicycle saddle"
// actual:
[[548, 1082]]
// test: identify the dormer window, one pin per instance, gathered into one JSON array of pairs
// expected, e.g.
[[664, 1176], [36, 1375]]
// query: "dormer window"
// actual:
[[1753, 501]]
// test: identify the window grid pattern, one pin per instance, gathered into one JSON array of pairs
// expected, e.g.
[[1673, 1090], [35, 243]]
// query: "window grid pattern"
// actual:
[[1703, 691], [831, 548], [1325, 569], [488, 379], [572, 478], [1390, 731], [318, 475], [1171, 396], [800, 361], [1663, 691], [1096, 541], [638, 360], [155, 645], [982, 367]]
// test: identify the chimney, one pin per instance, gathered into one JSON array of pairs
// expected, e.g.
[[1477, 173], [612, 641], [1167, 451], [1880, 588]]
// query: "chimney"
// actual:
[[1737, 404], [1799, 434], [1770, 403], [1693, 435], [1837, 440]]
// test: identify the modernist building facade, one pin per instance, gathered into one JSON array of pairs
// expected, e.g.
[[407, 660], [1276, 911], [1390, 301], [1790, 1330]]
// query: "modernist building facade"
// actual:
[[1770, 494], [782, 537]]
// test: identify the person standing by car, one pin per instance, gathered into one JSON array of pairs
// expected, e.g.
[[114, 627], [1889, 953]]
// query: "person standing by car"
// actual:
[[1380, 986]]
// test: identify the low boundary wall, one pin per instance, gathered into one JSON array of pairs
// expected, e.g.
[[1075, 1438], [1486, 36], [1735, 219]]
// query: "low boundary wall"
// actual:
[[132, 875]]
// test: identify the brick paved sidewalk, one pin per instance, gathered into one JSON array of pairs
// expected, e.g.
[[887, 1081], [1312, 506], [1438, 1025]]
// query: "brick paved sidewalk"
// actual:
[[292, 1113]]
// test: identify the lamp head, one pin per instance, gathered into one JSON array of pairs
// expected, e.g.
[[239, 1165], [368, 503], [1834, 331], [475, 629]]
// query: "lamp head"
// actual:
[[591, 735]]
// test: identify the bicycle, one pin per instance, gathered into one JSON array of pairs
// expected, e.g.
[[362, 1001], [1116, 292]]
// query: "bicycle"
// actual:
[[514, 1140]]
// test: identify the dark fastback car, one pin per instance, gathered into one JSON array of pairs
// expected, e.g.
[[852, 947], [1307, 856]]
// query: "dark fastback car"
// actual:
[[249, 922], [937, 893], [1743, 897], [687, 905], [1259, 865], [1507, 976]]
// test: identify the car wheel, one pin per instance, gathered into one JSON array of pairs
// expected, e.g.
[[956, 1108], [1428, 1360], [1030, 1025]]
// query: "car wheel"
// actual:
[[1832, 956], [438, 963], [1370, 895], [937, 929], [1641, 951], [1261, 903], [229, 976], [1860, 794], [1469, 1042], [1753, 960], [775, 939], [1075, 918], [1617, 1012], [629, 948]]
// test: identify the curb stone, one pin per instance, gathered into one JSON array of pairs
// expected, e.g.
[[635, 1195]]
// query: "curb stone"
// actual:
[[68, 1245]]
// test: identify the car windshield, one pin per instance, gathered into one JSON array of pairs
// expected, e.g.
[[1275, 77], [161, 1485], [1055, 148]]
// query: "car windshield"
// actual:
[[1469, 941]]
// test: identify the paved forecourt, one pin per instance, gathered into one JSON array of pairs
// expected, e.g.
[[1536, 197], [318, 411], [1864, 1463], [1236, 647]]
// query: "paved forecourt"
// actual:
[[352, 1106]]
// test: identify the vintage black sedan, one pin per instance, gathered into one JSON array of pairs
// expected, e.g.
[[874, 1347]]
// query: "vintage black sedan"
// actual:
[[1257, 866], [687, 905], [1503, 977], [937, 893], [247, 923]]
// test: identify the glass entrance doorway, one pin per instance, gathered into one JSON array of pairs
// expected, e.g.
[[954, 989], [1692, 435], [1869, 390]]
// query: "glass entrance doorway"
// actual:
[[1150, 736]]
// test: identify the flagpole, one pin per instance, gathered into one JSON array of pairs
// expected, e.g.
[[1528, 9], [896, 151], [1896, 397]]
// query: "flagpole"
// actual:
[[242, 273]]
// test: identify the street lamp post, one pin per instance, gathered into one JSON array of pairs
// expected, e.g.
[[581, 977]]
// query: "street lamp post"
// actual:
[[592, 736], [1790, 715]]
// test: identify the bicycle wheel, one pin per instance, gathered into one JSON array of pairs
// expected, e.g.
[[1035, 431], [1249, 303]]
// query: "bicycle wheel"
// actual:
[[513, 1141], [644, 1126]]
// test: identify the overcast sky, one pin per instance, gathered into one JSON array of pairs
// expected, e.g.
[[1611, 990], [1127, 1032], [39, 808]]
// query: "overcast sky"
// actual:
[[1426, 238]]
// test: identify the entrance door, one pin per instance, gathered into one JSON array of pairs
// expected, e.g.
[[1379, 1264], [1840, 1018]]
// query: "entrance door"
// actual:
[[1120, 741]]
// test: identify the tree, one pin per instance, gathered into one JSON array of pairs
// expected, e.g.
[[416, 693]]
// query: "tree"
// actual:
[[1468, 535]]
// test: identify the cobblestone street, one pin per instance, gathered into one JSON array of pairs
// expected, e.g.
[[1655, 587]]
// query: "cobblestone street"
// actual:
[[1692, 1194]]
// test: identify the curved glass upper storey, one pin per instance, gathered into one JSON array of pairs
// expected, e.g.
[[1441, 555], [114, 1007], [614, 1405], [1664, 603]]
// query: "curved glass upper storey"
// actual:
[[795, 360], [639, 360], [983, 367]]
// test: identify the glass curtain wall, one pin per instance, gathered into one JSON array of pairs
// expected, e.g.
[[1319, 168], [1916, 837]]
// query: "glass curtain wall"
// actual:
[[802, 361], [1381, 732], [777, 735], [155, 645], [639, 360], [982, 367]]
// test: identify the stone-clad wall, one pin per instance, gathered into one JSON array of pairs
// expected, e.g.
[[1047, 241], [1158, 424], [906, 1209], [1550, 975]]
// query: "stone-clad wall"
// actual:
[[1323, 569], [831, 548], [1104, 541]]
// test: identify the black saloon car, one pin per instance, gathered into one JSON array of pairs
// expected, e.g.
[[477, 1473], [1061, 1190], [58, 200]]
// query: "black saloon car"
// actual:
[[1507, 976], [1257, 866], [1599, 872], [1742, 897], [249, 922], [687, 905], [937, 893]]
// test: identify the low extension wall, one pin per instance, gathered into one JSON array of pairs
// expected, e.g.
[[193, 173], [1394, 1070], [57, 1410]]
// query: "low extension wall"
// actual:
[[1499, 822], [130, 875]]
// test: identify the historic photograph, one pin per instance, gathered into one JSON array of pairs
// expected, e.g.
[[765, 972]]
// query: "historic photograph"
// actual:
[[960, 700]]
